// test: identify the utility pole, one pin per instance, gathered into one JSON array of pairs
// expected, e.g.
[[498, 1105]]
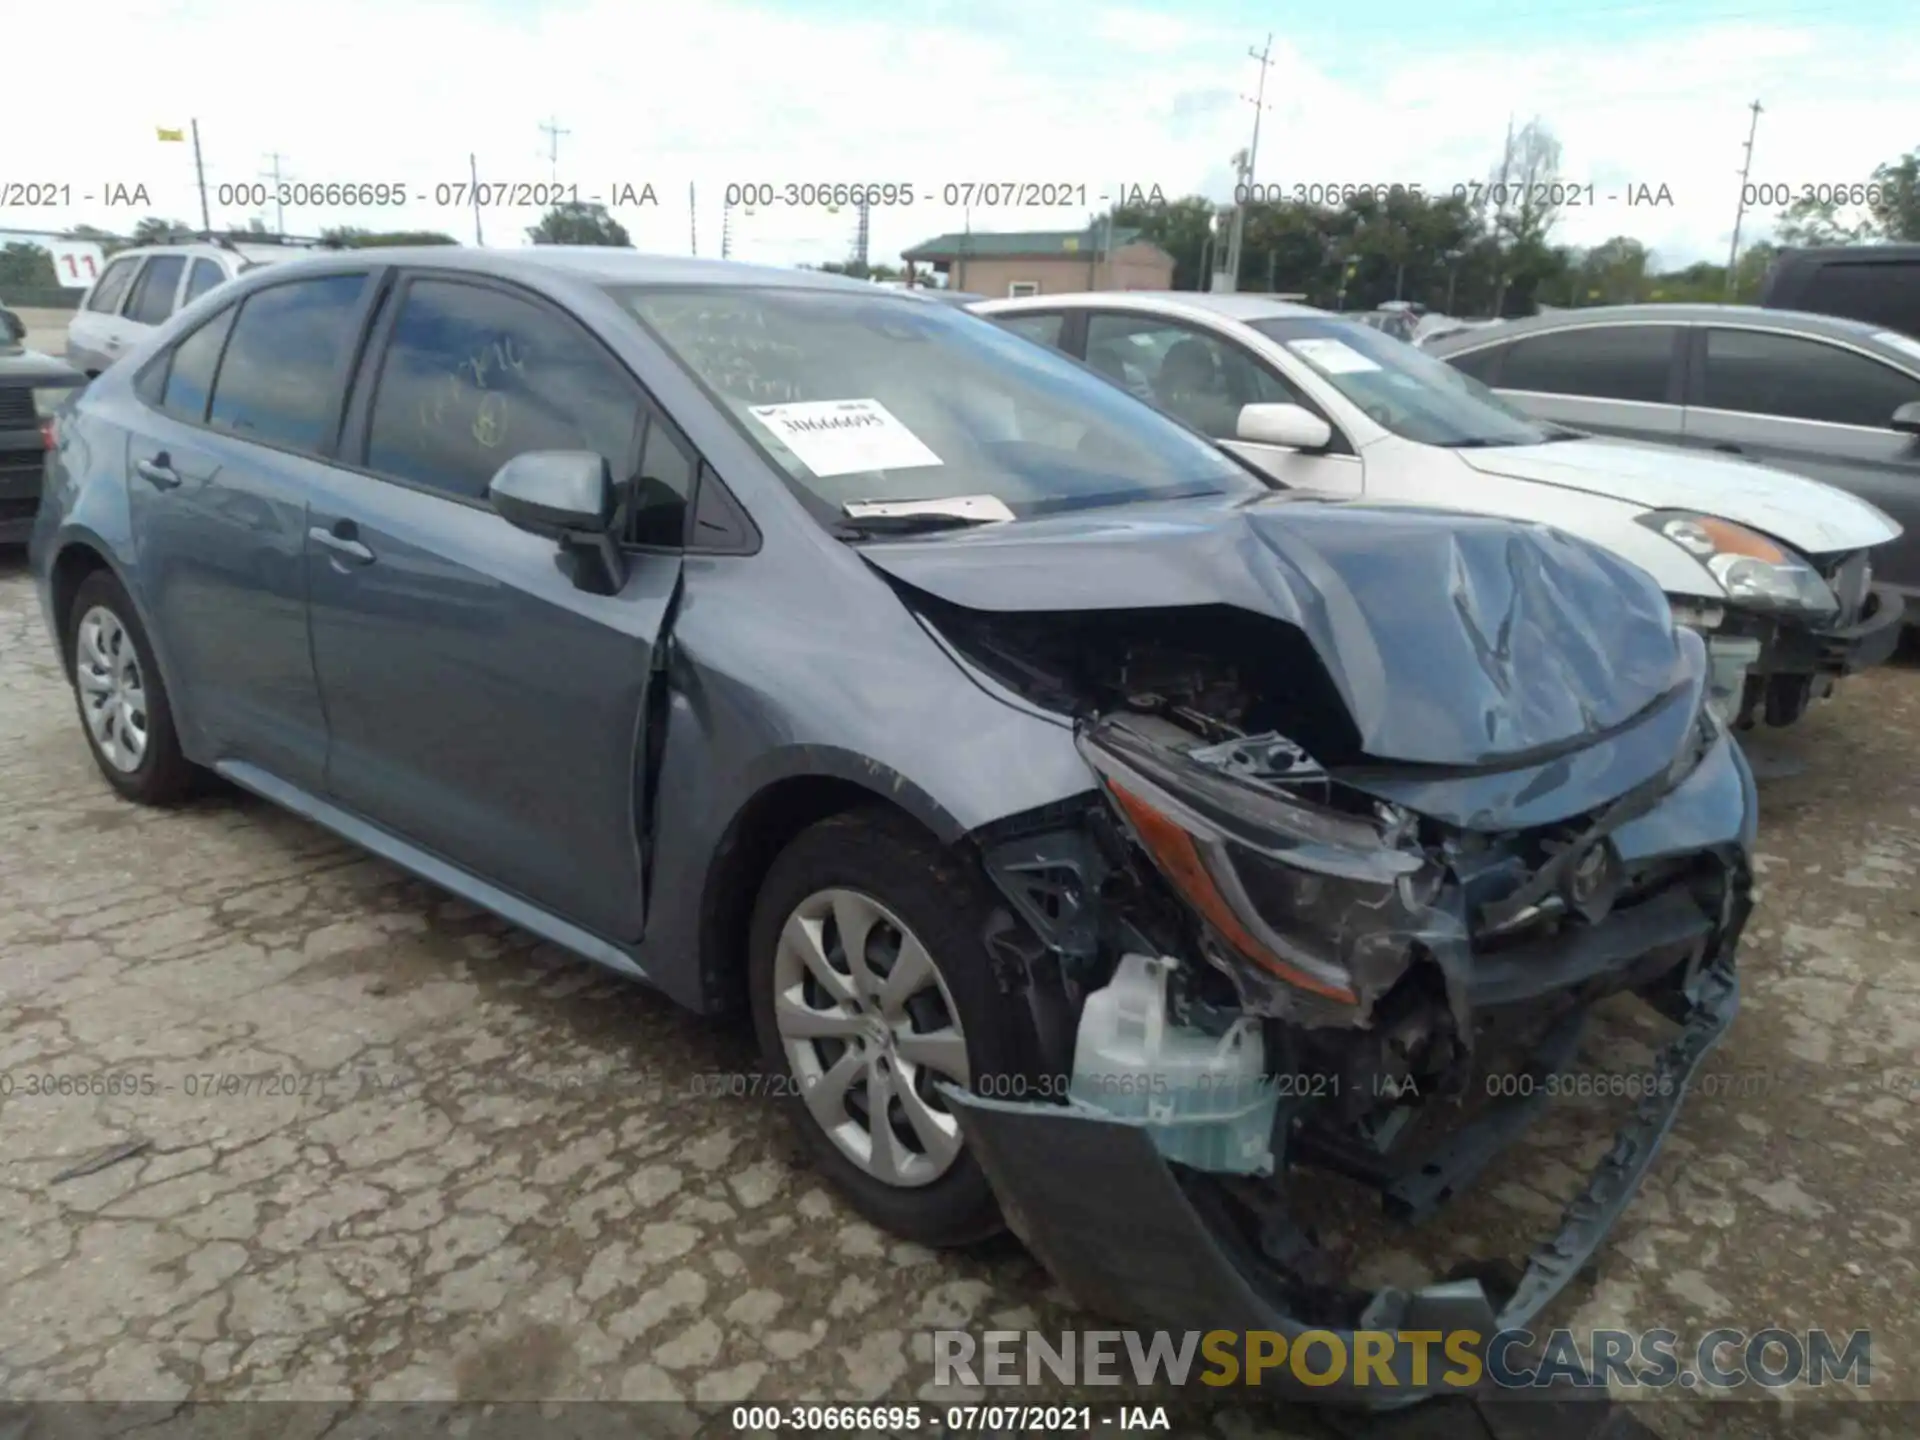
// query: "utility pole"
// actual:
[[279, 210], [726, 232], [862, 234], [1740, 214], [200, 173], [1248, 159], [473, 173], [693, 224], [553, 133]]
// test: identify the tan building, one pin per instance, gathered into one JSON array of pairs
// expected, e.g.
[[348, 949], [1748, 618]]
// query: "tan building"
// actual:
[[1044, 262]]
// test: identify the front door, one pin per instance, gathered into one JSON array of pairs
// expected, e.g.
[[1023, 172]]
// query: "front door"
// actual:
[[480, 705], [1204, 380]]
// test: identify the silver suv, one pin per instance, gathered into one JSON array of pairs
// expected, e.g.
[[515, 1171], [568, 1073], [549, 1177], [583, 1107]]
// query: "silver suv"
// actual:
[[142, 287]]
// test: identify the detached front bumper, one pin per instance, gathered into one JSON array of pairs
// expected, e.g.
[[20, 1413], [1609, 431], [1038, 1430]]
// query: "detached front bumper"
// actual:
[[1791, 648], [1095, 1202]]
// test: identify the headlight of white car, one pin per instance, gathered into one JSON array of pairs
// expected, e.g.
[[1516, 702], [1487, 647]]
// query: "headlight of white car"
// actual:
[[1755, 572]]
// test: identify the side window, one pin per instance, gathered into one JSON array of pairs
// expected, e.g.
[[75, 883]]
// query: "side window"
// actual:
[[1602, 362], [1762, 374], [1042, 328], [202, 278], [1193, 377], [190, 375], [1480, 364], [279, 382], [473, 376], [112, 288], [1880, 292], [657, 499], [153, 292]]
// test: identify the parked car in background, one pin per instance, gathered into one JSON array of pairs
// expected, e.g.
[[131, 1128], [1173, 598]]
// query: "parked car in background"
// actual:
[[1878, 285], [823, 651], [141, 288], [1836, 400], [32, 386], [1774, 568]]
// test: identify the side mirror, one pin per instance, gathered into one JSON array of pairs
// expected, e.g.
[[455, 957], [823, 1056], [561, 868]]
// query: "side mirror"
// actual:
[[567, 495], [1293, 427], [15, 327], [1907, 418]]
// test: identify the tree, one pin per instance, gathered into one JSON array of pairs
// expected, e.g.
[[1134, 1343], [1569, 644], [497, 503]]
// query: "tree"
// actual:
[[348, 237], [1811, 221], [26, 267], [1887, 207], [108, 242], [575, 222], [1613, 272], [155, 231], [1521, 189], [1893, 198]]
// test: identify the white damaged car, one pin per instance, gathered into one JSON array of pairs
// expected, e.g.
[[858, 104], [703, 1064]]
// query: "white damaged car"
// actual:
[[1775, 570]]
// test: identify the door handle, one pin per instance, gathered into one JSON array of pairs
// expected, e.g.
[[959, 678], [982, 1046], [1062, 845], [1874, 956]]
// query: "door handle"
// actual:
[[1727, 447], [345, 547], [158, 473]]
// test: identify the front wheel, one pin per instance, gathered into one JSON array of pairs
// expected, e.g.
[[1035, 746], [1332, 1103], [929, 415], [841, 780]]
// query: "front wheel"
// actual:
[[871, 988]]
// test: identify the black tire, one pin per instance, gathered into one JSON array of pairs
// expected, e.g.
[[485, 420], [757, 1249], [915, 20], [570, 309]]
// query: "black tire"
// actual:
[[164, 775], [888, 858]]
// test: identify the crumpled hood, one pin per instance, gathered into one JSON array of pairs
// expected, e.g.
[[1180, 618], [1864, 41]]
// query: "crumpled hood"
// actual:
[[1454, 639], [1813, 518]]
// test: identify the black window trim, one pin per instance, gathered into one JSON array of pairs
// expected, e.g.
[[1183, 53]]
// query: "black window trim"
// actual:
[[1677, 360], [370, 360], [1696, 372], [330, 440], [162, 366], [1342, 445]]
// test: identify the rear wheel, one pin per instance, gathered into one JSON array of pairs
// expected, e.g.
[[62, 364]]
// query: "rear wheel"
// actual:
[[872, 988], [122, 699]]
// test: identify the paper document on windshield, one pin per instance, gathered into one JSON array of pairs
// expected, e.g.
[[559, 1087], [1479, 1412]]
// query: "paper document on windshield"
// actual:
[[845, 437], [1336, 357]]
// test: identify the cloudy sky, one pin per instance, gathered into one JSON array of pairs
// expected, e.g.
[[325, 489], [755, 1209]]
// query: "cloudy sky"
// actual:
[[932, 92]]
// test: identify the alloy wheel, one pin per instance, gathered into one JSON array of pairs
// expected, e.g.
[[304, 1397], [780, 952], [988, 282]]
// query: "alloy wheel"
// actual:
[[113, 694], [869, 1031]]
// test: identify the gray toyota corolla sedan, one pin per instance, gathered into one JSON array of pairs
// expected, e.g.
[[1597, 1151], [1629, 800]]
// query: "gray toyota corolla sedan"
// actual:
[[1098, 837]]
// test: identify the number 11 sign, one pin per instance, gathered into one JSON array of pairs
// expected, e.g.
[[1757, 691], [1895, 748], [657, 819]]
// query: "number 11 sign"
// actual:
[[78, 263]]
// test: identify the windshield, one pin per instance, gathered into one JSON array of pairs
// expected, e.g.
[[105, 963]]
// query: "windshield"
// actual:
[[878, 397], [1404, 389]]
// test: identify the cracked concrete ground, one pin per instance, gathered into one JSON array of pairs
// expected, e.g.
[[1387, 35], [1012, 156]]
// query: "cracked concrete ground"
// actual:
[[483, 1172]]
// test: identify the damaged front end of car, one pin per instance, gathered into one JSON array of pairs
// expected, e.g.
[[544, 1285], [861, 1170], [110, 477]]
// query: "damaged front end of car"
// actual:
[[1261, 954]]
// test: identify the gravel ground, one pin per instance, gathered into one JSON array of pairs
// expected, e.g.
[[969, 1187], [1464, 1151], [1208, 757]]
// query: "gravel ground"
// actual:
[[491, 1177]]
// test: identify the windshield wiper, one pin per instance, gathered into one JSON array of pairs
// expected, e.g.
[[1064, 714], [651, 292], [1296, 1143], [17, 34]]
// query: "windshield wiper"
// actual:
[[920, 517], [925, 523]]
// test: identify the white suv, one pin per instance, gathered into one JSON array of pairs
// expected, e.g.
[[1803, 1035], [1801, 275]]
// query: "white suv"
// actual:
[[141, 288]]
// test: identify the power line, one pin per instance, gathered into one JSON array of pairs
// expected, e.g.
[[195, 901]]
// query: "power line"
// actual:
[[1746, 168]]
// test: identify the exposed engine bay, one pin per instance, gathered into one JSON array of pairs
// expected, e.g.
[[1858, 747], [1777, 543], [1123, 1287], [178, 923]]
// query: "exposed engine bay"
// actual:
[[1265, 949]]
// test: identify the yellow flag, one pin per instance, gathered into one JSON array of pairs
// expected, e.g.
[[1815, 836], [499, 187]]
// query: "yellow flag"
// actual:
[[166, 134]]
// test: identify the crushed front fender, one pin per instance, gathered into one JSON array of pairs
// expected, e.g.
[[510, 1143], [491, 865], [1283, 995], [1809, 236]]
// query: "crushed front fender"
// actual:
[[1093, 1199]]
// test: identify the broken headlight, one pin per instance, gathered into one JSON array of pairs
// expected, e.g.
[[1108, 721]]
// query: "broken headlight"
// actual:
[[1752, 570], [1288, 884]]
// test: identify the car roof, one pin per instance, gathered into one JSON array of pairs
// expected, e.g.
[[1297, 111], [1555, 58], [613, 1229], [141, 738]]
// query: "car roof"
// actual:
[[207, 249], [1796, 321], [594, 264], [1232, 305]]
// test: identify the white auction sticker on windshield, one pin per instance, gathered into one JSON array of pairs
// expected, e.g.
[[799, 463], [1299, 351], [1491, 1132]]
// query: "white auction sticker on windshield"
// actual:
[[845, 437], [1336, 357]]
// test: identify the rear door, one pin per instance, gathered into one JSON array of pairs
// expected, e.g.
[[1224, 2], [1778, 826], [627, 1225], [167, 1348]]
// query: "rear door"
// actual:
[[1621, 379], [480, 705], [1819, 408], [94, 336], [241, 414]]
